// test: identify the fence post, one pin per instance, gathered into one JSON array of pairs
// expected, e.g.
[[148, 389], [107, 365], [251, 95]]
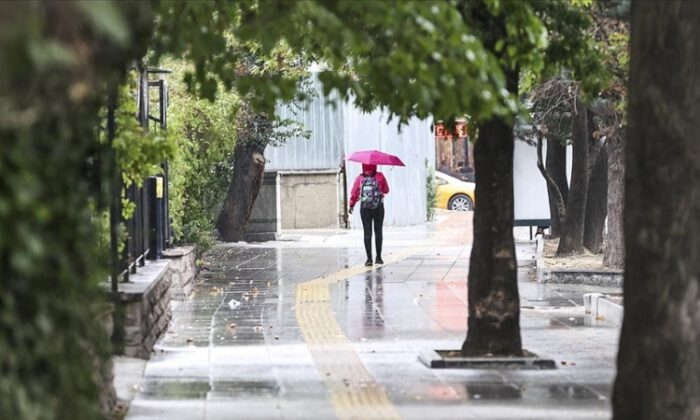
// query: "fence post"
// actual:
[[155, 205], [115, 199]]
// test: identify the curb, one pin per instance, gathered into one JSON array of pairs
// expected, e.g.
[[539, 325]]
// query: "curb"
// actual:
[[443, 359], [601, 306], [564, 276]]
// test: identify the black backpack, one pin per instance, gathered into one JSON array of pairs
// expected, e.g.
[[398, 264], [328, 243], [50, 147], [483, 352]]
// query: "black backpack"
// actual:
[[371, 197]]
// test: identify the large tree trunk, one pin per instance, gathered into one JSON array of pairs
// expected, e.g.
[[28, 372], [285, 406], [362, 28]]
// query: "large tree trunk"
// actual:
[[614, 240], [556, 168], [494, 303], [248, 168], [253, 133], [571, 241], [659, 357], [597, 201]]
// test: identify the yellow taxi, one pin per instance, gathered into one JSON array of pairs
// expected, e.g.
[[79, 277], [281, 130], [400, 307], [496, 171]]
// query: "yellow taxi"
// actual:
[[453, 193]]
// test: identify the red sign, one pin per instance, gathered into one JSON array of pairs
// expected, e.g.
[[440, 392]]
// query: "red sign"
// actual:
[[442, 131]]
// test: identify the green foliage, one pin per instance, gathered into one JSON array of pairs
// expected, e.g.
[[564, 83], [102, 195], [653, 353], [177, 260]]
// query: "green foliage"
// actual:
[[571, 46], [552, 99], [201, 170], [613, 37], [139, 153], [415, 58], [204, 34], [51, 89], [431, 194]]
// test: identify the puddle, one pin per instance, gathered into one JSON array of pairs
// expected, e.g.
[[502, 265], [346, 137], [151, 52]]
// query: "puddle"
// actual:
[[572, 391], [571, 321], [493, 391], [553, 302], [576, 321], [175, 390], [164, 389]]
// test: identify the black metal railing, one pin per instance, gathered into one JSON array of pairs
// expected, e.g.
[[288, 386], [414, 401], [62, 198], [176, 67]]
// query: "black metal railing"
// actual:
[[148, 228]]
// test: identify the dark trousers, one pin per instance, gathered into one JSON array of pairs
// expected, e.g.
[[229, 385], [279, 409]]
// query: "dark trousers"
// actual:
[[377, 216]]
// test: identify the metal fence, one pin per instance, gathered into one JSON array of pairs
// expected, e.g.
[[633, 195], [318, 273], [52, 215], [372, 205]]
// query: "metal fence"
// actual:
[[338, 130], [148, 229]]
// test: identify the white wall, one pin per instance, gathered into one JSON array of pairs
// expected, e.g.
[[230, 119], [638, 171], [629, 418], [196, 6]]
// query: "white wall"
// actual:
[[529, 186]]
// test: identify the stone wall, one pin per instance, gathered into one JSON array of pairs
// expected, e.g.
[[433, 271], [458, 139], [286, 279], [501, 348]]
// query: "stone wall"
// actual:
[[143, 314], [145, 308], [182, 270], [309, 200]]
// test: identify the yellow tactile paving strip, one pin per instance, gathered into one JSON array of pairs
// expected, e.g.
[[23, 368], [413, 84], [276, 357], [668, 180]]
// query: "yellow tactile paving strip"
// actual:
[[354, 392]]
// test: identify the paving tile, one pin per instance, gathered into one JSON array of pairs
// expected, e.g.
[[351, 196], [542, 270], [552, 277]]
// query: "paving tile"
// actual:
[[235, 349]]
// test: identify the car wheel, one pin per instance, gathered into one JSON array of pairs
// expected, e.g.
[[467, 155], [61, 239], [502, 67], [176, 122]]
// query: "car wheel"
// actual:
[[461, 202]]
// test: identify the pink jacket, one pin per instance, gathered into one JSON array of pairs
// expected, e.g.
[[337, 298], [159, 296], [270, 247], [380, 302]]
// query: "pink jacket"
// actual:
[[367, 170]]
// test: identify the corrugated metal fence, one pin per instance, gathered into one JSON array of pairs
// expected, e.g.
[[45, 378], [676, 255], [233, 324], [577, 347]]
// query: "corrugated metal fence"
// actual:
[[414, 144], [323, 149], [338, 131]]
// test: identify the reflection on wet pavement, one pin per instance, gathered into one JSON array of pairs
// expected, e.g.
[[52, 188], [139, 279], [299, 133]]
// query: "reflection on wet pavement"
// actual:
[[486, 391], [236, 348]]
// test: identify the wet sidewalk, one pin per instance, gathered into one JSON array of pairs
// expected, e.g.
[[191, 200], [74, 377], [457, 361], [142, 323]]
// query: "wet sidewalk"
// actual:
[[300, 329]]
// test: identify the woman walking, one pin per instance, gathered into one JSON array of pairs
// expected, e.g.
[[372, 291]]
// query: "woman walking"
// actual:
[[369, 189]]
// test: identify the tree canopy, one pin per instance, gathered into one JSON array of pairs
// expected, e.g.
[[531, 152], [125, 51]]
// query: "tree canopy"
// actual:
[[413, 58]]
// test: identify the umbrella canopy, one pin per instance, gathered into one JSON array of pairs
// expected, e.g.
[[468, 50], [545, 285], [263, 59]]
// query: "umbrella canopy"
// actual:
[[375, 157]]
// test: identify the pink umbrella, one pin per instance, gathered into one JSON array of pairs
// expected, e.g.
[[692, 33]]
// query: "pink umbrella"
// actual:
[[375, 157]]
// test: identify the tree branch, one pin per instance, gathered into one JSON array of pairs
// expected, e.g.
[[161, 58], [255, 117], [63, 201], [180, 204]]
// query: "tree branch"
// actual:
[[561, 207]]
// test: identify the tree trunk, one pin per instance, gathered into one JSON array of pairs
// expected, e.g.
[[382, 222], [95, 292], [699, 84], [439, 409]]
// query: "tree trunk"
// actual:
[[248, 168], [558, 211], [571, 241], [614, 245], [597, 202], [659, 357], [494, 303], [556, 168]]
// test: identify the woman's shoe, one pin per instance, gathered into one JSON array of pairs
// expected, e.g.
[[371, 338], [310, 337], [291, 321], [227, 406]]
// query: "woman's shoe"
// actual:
[[379, 260], [368, 262]]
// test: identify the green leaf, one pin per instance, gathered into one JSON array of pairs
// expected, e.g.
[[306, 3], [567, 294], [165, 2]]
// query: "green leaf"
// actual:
[[48, 53], [105, 18]]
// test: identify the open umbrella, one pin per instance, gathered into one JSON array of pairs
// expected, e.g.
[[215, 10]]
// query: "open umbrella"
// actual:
[[375, 157]]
